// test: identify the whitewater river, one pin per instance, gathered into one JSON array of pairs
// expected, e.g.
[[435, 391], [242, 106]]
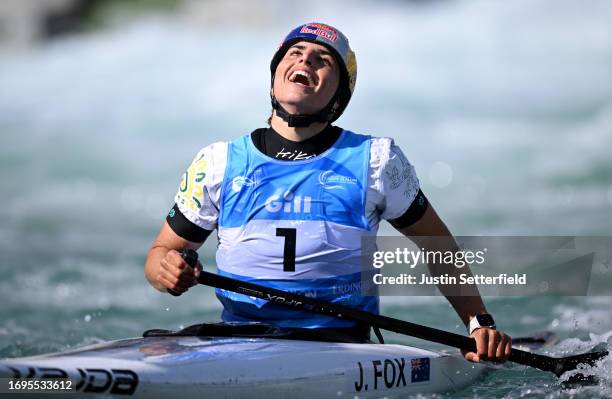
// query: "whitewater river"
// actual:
[[505, 110]]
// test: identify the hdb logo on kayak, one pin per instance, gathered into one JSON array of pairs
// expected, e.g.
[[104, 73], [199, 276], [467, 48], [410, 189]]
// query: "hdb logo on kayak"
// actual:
[[89, 380]]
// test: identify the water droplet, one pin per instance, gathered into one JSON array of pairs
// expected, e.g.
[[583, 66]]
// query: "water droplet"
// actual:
[[167, 309], [555, 323], [87, 318]]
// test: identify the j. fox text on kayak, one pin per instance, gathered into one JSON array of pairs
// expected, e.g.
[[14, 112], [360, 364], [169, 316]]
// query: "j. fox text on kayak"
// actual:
[[446, 279]]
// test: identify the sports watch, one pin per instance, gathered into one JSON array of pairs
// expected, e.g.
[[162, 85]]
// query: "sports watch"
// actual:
[[480, 320]]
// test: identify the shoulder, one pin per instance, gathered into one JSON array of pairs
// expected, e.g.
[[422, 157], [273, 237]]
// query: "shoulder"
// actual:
[[214, 150], [380, 148], [352, 137], [394, 176], [387, 156], [211, 157], [206, 169], [385, 153]]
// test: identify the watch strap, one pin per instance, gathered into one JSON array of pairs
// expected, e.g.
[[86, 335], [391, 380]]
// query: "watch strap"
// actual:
[[479, 321]]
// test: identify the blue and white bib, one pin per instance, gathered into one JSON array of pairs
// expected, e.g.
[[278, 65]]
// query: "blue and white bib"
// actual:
[[295, 226]]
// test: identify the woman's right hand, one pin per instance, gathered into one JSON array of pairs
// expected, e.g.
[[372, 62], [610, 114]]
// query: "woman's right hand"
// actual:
[[175, 274]]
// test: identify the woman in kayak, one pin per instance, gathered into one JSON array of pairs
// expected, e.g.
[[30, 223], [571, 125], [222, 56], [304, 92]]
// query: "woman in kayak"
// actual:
[[291, 202]]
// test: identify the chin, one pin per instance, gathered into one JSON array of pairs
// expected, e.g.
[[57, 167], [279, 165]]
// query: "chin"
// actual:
[[298, 106]]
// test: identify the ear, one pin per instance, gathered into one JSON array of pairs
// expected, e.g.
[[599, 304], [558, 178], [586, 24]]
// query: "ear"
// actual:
[[336, 106], [272, 86], [333, 110]]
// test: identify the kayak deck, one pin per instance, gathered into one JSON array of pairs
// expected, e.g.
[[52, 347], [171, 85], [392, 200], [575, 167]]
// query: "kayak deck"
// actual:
[[163, 365]]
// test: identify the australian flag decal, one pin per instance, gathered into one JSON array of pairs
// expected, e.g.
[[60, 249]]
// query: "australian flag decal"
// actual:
[[419, 369]]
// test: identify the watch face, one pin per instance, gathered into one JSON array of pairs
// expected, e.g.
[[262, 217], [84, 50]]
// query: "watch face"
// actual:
[[485, 320]]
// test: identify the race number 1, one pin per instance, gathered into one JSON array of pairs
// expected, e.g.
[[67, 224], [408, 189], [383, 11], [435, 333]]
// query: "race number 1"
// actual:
[[289, 250]]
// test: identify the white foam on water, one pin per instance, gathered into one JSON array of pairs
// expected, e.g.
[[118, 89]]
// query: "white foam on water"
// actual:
[[601, 369]]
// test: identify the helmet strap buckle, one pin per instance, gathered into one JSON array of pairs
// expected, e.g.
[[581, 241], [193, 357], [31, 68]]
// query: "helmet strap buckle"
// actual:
[[300, 120]]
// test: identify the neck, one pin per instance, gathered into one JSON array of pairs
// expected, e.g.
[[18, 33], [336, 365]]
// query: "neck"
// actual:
[[295, 133]]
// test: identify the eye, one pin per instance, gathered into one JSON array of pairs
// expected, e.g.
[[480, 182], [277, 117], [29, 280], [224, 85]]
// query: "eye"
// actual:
[[325, 60]]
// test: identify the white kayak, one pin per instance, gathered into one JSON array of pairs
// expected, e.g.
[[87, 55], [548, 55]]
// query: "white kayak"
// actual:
[[243, 367]]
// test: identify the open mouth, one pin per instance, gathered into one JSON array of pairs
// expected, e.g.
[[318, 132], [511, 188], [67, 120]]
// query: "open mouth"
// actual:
[[301, 77]]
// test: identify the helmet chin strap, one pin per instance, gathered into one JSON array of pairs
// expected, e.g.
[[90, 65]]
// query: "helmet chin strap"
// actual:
[[297, 120]]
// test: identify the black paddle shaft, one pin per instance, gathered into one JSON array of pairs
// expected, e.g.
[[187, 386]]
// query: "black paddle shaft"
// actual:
[[558, 366]]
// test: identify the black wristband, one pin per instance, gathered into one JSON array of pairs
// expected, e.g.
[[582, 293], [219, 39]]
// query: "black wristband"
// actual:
[[184, 227], [413, 214]]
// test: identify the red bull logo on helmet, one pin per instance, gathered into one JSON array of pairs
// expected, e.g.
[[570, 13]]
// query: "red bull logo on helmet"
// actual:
[[325, 31]]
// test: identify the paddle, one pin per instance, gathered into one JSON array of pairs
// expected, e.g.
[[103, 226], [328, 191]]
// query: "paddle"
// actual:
[[558, 366]]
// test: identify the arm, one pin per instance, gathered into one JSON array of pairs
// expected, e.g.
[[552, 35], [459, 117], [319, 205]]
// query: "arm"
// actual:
[[189, 222], [491, 344], [430, 225], [394, 179], [165, 268]]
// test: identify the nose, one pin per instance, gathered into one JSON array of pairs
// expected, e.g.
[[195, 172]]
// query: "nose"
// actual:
[[307, 57]]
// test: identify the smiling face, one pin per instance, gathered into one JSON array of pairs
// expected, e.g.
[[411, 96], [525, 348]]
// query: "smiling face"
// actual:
[[306, 78]]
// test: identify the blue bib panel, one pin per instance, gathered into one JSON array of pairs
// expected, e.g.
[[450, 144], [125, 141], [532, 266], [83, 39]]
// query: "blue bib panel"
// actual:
[[295, 226]]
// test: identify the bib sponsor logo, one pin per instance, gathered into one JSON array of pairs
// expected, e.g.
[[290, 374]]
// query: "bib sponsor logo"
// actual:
[[331, 181], [288, 203], [239, 182], [251, 180]]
